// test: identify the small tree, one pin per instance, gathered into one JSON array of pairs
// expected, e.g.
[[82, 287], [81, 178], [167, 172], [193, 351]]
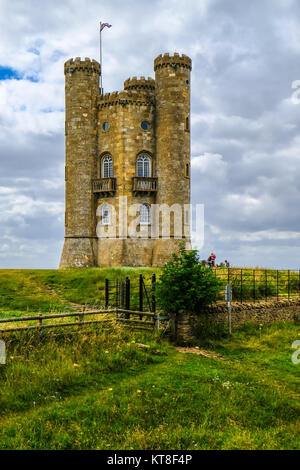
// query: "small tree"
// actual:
[[185, 284]]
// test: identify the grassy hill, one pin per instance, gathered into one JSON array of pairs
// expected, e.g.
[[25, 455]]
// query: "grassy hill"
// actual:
[[50, 289], [47, 290], [102, 390]]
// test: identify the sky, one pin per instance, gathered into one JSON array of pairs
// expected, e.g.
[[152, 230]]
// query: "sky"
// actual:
[[245, 116]]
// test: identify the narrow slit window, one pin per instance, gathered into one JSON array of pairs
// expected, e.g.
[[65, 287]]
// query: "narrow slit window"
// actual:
[[187, 124], [187, 170], [187, 217]]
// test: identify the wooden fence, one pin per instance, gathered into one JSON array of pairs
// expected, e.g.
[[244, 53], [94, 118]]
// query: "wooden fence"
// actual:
[[135, 319]]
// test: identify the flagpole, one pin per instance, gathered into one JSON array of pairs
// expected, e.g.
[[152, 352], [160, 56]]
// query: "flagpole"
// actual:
[[101, 83]]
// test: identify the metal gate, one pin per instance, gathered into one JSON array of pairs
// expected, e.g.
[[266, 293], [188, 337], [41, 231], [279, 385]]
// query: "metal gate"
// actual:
[[131, 295]]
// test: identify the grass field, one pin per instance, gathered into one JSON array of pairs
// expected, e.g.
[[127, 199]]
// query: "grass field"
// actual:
[[100, 390], [103, 391], [49, 290]]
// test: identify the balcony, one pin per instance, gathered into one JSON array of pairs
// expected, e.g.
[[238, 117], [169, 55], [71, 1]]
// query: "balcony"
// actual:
[[144, 185], [104, 186]]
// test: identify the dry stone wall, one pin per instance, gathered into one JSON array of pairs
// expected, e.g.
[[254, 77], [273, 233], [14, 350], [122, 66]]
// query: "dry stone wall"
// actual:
[[185, 324]]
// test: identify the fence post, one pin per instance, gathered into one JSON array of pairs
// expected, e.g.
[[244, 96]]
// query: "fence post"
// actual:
[[241, 286], [254, 294], [121, 294], [266, 285], [299, 283], [40, 319], [117, 292], [106, 293], [156, 322], [153, 297], [277, 284], [288, 284], [141, 292], [127, 296]]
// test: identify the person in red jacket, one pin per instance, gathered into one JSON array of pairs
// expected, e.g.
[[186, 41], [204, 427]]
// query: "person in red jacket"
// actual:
[[213, 259]]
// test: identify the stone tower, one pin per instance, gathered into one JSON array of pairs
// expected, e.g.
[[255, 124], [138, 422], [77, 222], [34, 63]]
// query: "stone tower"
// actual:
[[127, 166], [172, 90], [81, 93]]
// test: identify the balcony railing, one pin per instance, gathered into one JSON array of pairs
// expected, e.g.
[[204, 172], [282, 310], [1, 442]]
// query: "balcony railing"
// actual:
[[104, 185], [144, 185]]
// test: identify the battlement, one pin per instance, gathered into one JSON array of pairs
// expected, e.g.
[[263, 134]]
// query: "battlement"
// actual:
[[87, 64], [172, 61], [141, 83], [124, 97]]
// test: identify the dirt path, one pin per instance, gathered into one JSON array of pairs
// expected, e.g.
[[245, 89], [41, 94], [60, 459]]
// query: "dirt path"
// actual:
[[201, 352]]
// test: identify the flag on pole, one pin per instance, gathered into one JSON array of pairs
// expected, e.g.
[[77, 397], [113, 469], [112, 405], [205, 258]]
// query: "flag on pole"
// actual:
[[102, 25]]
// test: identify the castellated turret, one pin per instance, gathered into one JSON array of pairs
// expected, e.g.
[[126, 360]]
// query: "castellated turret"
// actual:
[[81, 93], [127, 166]]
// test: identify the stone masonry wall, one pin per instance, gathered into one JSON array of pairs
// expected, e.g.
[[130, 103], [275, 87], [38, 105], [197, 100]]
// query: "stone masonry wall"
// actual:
[[185, 324], [124, 141]]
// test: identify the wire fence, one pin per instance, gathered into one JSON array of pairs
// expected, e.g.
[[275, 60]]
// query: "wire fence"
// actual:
[[251, 285], [260, 284]]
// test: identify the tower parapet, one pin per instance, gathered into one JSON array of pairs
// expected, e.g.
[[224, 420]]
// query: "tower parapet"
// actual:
[[175, 60], [131, 96], [141, 83], [86, 65]]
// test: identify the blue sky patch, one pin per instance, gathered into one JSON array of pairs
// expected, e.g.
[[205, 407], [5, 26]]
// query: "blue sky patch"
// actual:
[[7, 73], [32, 78], [33, 50], [52, 110], [56, 55]]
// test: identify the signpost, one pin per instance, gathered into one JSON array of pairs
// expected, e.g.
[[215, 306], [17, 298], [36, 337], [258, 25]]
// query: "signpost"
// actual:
[[228, 297], [2, 352]]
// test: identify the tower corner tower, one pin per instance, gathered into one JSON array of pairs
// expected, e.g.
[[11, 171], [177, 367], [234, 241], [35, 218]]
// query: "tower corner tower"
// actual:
[[81, 94], [172, 91]]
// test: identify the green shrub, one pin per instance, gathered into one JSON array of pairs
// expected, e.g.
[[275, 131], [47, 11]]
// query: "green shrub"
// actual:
[[185, 284]]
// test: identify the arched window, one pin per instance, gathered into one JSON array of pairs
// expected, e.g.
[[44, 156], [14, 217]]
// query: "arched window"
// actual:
[[143, 166], [144, 214], [105, 213], [107, 167]]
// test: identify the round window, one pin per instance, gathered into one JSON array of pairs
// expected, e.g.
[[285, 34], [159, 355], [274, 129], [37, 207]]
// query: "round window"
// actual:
[[145, 125], [105, 126]]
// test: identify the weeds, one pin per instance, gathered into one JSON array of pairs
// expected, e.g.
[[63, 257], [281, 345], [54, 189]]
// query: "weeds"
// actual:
[[100, 390]]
